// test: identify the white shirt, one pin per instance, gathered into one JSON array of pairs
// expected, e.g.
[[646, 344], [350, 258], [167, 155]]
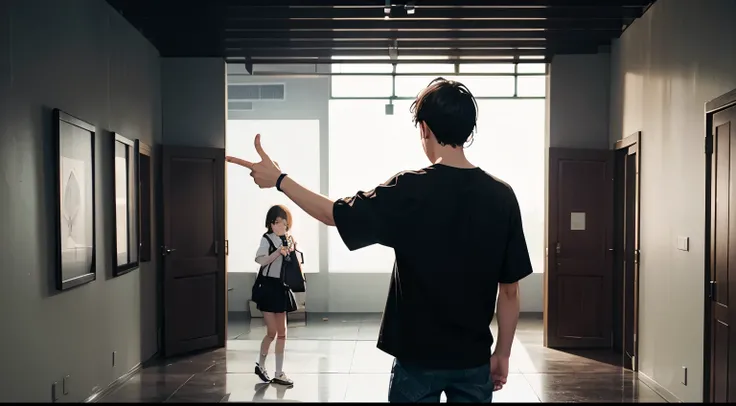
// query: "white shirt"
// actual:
[[271, 262]]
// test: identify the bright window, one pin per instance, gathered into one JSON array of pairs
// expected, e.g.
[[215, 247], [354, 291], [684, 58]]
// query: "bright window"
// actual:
[[509, 144], [480, 86], [487, 68], [295, 143], [360, 160], [531, 68], [361, 86]]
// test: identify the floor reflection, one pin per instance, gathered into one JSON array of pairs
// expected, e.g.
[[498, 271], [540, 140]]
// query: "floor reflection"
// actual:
[[333, 358]]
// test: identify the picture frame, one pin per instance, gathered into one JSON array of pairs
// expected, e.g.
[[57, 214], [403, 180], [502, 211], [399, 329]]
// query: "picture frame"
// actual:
[[144, 169], [75, 217], [126, 206]]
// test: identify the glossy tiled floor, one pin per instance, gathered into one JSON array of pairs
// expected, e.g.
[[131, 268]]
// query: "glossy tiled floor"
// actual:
[[336, 360]]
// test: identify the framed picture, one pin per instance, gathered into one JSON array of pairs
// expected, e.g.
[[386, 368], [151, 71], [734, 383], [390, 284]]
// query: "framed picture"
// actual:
[[75, 201], [126, 242], [144, 156]]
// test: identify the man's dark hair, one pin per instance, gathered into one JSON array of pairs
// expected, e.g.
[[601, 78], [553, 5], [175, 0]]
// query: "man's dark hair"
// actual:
[[449, 109], [275, 212]]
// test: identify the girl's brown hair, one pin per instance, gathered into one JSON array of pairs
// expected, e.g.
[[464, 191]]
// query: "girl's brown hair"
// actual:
[[276, 212]]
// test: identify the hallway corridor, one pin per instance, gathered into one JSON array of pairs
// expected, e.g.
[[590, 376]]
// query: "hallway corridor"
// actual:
[[336, 360]]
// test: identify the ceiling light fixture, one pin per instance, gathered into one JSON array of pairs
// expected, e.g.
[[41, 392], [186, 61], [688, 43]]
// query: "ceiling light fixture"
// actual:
[[410, 8]]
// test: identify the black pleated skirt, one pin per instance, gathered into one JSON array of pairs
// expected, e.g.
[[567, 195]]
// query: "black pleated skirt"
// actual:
[[275, 297]]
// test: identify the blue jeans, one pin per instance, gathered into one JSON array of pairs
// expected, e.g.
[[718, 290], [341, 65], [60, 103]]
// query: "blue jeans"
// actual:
[[411, 384]]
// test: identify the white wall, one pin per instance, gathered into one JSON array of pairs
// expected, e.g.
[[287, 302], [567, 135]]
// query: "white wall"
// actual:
[[664, 68], [308, 98]]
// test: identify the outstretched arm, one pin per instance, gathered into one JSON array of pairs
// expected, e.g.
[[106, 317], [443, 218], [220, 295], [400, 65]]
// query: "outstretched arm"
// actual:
[[267, 172], [316, 205]]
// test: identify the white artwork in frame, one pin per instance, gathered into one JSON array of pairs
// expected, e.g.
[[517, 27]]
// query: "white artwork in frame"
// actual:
[[126, 192], [76, 200]]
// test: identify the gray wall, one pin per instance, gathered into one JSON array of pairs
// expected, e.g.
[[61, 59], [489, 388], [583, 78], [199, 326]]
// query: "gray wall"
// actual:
[[82, 57], [308, 98], [578, 101], [194, 99], [664, 68]]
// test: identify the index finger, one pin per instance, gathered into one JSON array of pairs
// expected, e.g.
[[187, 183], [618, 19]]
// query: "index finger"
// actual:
[[241, 162]]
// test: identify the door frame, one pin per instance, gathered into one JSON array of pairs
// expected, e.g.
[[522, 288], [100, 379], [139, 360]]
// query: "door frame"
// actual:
[[711, 108], [620, 145]]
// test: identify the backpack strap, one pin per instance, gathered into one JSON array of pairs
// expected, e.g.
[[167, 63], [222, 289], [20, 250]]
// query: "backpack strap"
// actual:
[[271, 246], [271, 250]]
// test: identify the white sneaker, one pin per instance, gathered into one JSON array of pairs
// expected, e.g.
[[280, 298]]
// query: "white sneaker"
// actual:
[[282, 379]]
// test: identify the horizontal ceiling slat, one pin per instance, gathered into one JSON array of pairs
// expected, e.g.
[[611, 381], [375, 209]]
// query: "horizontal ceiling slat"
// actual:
[[305, 29], [280, 13], [437, 3]]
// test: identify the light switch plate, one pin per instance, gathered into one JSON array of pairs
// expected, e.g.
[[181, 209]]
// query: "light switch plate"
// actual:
[[683, 243]]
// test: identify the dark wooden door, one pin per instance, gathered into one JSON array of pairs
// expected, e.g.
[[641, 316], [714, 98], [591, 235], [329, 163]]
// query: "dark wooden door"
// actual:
[[723, 258], [631, 257], [578, 300], [193, 249]]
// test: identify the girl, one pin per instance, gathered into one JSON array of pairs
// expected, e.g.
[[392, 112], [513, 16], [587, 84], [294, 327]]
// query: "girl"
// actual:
[[273, 297]]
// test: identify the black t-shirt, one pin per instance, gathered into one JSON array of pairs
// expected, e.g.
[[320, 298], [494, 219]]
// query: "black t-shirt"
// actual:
[[456, 233]]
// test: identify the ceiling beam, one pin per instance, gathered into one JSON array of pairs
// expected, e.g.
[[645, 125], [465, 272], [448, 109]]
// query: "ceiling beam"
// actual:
[[393, 24], [245, 13], [384, 43], [326, 53], [437, 3], [328, 61], [434, 35]]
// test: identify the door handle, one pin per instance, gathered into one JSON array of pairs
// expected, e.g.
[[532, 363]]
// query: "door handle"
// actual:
[[713, 290], [166, 250]]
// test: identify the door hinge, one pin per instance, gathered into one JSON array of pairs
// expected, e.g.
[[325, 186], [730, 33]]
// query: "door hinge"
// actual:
[[634, 338], [713, 290], [227, 247], [709, 145], [636, 256]]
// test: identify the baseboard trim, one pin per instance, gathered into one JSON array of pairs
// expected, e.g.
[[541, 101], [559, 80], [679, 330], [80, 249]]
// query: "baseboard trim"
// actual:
[[99, 394], [658, 389]]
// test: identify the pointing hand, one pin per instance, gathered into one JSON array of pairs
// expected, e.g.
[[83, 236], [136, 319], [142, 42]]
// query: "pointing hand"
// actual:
[[264, 173]]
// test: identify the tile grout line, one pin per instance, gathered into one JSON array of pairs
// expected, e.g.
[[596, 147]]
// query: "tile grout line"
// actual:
[[350, 370], [539, 397], [179, 388]]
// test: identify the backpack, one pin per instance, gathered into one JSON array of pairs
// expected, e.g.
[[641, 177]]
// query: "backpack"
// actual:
[[291, 273]]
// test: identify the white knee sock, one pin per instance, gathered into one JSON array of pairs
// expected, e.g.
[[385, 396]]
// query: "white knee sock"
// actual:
[[279, 363]]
